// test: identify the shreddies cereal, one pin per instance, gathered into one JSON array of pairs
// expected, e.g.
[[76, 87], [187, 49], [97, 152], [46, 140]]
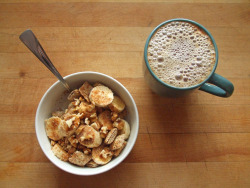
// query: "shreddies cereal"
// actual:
[[92, 130]]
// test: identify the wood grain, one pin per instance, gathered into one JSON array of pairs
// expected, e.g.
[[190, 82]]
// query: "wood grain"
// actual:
[[131, 1], [196, 141], [115, 14], [193, 174]]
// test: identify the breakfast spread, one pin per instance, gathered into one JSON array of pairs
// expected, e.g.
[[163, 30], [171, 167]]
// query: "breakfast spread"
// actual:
[[92, 130]]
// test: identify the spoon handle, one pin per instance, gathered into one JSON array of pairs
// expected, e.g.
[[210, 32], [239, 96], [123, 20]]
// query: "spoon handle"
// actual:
[[30, 40]]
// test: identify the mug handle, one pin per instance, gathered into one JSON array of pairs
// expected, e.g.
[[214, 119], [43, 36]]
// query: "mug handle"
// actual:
[[221, 86]]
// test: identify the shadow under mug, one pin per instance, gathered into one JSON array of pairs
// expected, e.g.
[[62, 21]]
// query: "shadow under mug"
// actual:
[[213, 84]]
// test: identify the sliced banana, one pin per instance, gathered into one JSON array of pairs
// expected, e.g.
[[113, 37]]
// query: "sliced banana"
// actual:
[[85, 90], [101, 96], [123, 127], [111, 136], [118, 151], [101, 155], [54, 127], [79, 158], [75, 94], [117, 105], [105, 119], [60, 153], [89, 137], [118, 142]]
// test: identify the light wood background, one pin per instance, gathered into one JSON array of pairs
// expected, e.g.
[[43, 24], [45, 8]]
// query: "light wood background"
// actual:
[[197, 141]]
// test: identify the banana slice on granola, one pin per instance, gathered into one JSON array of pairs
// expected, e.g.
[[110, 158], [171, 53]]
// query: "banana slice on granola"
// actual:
[[79, 158], [85, 90], [118, 151], [102, 155], [89, 137], [54, 128], [101, 96], [60, 153], [123, 127], [117, 105], [118, 142]]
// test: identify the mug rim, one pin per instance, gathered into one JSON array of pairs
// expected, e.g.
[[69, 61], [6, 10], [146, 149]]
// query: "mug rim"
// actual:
[[184, 20]]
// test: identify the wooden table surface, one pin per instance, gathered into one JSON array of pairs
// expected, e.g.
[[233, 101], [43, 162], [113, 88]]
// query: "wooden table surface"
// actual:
[[197, 141]]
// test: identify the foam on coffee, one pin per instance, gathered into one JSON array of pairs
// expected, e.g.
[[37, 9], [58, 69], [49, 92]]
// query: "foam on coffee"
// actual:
[[181, 54]]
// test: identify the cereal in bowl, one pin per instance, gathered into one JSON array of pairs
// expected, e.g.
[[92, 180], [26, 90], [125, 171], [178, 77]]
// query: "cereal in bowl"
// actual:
[[92, 130]]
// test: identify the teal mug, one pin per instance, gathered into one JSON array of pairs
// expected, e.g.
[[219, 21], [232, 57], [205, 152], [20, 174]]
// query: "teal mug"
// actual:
[[213, 83]]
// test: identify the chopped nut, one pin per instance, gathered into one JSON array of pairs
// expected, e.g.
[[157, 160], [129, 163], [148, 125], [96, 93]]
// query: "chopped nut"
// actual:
[[104, 130], [86, 151], [52, 142], [96, 125], [103, 135], [114, 116]]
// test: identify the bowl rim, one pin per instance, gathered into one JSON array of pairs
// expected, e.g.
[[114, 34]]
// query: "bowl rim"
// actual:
[[121, 158]]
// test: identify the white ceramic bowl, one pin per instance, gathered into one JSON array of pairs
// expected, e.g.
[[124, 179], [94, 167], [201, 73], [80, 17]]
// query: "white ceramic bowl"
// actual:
[[55, 97]]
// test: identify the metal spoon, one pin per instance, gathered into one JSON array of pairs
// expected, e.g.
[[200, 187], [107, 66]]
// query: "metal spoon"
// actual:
[[30, 40]]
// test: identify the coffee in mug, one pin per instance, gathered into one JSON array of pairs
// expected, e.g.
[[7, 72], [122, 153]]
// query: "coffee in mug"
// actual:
[[181, 54]]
